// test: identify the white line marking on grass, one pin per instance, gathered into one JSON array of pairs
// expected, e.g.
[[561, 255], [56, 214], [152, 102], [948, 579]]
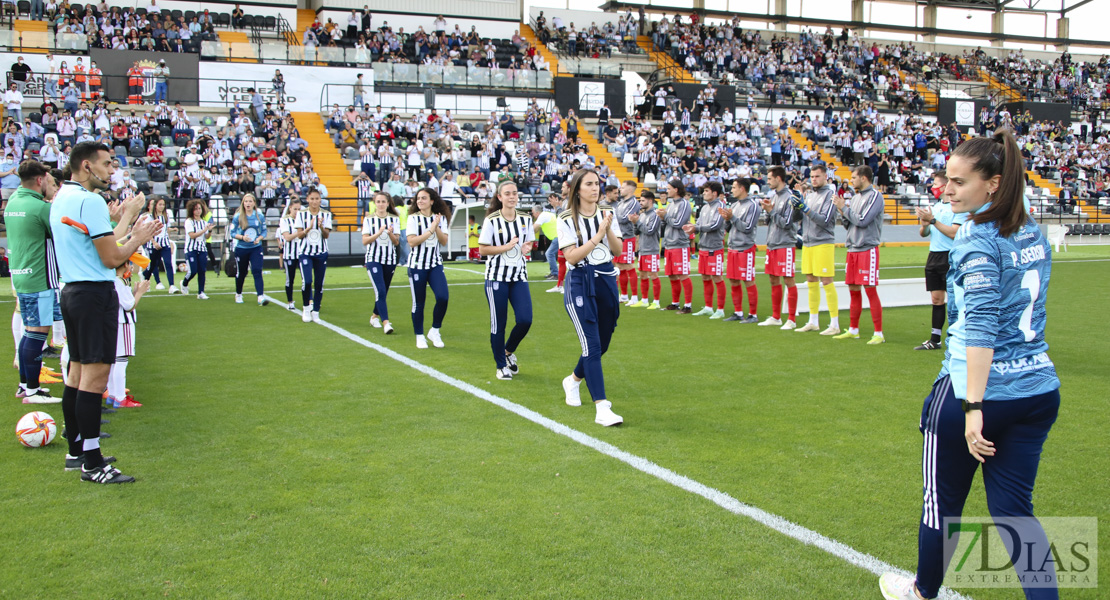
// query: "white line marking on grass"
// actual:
[[327, 289], [783, 526]]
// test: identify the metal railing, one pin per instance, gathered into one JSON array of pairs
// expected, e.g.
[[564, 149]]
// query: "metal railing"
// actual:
[[343, 95], [61, 43]]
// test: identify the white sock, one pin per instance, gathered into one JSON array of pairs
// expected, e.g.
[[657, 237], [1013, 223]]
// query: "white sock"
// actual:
[[59, 330], [878, 334], [17, 330], [434, 330], [813, 320], [65, 364], [853, 330], [117, 379], [93, 444], [835, 322], [634, 299]]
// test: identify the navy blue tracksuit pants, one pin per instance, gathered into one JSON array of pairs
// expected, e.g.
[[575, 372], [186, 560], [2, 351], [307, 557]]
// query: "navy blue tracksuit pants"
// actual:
[[593, 304], [248, 259], [160, 258], [381, 276], [313, 268], [419, 280], [198, 265], [291, 266], [1018, 429], [499, 295]]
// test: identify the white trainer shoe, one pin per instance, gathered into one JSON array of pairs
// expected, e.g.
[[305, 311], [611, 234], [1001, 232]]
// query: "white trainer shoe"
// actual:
[[306, 315], [202, 296], [434, 337], [504, 373], [375, 322], [605, 415], [807, 327], [623, 298], [832, 330], [315, 316], [421, 342], [571, 388], [184, 290], [897, 587], [556, 290], [238, 298], [770, 321], [787, 326], [633, 301], [292, 306], [159, 286], [387, 328]]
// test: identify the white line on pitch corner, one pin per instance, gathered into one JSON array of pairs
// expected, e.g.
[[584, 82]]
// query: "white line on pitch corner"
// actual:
[[779, 524]]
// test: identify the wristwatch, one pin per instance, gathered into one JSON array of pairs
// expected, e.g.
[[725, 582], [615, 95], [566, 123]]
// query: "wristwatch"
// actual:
[[970, 406], [933, 221]]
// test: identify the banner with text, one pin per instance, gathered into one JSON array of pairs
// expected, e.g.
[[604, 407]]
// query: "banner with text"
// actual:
[[303, 84]]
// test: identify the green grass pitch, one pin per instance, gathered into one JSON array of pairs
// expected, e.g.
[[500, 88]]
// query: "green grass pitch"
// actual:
[[278, 459]]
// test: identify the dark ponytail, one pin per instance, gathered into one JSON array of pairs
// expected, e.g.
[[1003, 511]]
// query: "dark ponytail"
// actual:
[[999, 155]]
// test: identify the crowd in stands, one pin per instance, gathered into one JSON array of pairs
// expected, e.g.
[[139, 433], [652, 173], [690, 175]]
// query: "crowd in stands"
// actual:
[[1082, 84], [440, 44], [593, 41], [129, 28]]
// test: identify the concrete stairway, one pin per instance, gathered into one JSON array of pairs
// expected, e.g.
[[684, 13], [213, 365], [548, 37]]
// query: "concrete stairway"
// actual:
[[329, 166]]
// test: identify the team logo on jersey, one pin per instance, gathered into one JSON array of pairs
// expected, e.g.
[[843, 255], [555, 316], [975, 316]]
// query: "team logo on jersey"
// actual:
[[578, 301], [495, 286]]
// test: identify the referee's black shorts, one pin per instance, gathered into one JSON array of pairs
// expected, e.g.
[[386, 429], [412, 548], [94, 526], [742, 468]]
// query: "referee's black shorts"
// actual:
[[90, 310], [936, 272]]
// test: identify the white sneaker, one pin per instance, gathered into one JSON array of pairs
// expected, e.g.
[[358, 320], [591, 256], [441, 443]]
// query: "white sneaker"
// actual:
[[556, 290], [238, 298], [832, 330], [571, 388], [434, 337], [375, 322], [159, 286], [504, 373], [202, 296], [605, 415], [315, 316], [633, 301], [770, 321], [787, 326], [421, 342], [897, 587], [292, 306], [623, 298], [807, 327], [306, 315], [510, 362], [387, 328], [184, 290]]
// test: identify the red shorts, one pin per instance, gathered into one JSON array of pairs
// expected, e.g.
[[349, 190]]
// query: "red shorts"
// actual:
[[628, 252], [780, 262], [649, 263], [741, 264], [472, 254], [863, 268], [711, 262], [678, 261]]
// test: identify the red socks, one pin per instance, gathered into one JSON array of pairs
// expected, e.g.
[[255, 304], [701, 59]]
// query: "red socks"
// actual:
[[644, 288], [857, 308], [753, 298], [676, 291], [776, 301], [876, 308], [721, 295], [707, 289], [656, 285], [562, 271], [792, 301], [737, 298], [622, 280], [633, 281], [688, 290]]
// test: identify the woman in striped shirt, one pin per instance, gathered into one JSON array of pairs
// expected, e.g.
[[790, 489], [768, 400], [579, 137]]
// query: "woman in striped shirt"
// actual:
[[290, 248], [313, 227], [161, 253], [381, 235], [196, 248], [427, 232], [248, 229], [589, 236], [507, 237]]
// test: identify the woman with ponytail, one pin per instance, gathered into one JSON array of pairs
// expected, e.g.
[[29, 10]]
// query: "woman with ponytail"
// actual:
[[507, 237], [997, 394], [589, 237]]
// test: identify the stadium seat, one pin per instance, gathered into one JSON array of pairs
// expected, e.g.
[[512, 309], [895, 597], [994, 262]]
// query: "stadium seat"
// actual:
[[269, 23], [207, 121], [158, 175], [137, 152], [34, 147], [158, 188], [223, 20], [189, 15], [173, 164], [1088, 229], [121, 152], [166, 142], [142, 187], [140, 175], [176, 14], [1071, 229], [36, 117]]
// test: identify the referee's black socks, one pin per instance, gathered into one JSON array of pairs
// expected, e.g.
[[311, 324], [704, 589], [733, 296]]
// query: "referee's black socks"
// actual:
[[69, 413], [939, 312], [88, 417]]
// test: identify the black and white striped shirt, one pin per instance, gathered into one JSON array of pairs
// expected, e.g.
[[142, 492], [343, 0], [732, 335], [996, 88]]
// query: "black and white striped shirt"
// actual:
[[315, 242], [197, 244], [365, 189], [497, 231], [163, 237], [381, 250], [426, 255], [292, 249], [570, 236]]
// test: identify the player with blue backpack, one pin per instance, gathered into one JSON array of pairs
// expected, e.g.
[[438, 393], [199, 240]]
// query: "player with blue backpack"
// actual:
[[997, 395]]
